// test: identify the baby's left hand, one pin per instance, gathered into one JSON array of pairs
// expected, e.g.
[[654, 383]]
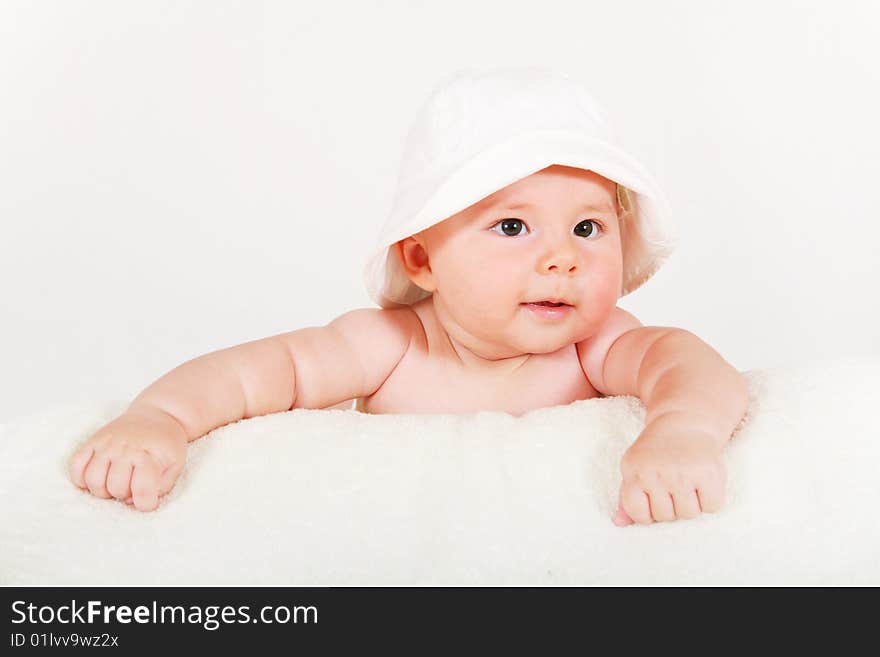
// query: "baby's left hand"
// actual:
[[674, 470]]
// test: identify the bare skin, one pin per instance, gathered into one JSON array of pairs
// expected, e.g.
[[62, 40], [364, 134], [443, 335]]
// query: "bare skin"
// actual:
[[471, 346]]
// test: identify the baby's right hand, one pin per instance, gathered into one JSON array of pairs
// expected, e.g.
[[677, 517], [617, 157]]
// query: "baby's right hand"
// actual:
[[136, 458]]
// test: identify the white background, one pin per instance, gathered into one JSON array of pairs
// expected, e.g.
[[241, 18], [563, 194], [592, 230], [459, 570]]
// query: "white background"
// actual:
[[178, 177]]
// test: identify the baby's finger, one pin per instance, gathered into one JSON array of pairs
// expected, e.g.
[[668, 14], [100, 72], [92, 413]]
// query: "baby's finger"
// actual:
[[687, 505], [710, 498], [621, 518], [145, 483], [168, 476], [119, 479], [78, 463], [662, 509], [635, 502], [96, 475]]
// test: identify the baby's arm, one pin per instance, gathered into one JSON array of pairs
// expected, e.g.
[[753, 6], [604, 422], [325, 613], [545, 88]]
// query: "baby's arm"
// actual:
[[138, 456], [313, 367], [694, 401]]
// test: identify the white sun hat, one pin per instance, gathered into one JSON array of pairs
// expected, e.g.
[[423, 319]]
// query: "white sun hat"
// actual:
[[481, 131]]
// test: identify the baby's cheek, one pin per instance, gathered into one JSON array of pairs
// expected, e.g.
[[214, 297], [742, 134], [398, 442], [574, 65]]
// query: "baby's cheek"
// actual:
[[489, 280], [599, 299], [603, 285]]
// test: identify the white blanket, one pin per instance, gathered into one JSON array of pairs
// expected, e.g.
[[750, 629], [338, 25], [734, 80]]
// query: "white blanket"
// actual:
[[336, 497]]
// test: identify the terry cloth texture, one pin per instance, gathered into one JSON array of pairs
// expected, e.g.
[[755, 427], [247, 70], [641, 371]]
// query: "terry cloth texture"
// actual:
[[482, 131], [335, 497]]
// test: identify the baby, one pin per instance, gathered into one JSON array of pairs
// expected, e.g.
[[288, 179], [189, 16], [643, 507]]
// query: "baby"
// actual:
[[518, 224]]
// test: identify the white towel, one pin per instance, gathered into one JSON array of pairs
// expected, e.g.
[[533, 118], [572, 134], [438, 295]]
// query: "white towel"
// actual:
[[335, 497]]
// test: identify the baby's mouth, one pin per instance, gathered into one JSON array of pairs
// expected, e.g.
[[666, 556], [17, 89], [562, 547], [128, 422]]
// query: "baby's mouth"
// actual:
[[549, 309], [552, 304]]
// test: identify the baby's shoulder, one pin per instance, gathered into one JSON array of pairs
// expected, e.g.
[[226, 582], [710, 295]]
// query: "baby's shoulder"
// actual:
[[392, 328], [376, 339], [593, 351]]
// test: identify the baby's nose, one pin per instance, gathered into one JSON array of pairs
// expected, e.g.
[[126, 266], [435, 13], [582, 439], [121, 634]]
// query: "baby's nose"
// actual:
[[560, 259], [563, 266]]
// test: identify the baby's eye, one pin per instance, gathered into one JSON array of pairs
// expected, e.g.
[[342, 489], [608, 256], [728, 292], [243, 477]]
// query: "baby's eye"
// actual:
[[510, 227], [513, 227], [588, 228]]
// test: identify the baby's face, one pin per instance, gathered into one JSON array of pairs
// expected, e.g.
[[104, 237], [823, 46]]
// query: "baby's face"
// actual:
[[552, 235]]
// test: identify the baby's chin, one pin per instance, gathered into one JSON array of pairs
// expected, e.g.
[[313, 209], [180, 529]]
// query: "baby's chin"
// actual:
[[524, 333], [534, 342], [544, 346], [514, 340]]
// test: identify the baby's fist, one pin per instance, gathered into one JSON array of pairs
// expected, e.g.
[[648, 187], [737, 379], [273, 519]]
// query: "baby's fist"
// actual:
[[136, 458], [670, 473]]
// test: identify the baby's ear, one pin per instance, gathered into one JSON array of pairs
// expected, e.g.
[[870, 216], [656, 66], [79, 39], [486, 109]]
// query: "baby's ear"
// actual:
[[622, 202], [414, 259]]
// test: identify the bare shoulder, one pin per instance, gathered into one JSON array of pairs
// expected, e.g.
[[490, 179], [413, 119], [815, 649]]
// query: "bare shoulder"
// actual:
[[593, 351], [380, 323], [349, 357], [378, 339]]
